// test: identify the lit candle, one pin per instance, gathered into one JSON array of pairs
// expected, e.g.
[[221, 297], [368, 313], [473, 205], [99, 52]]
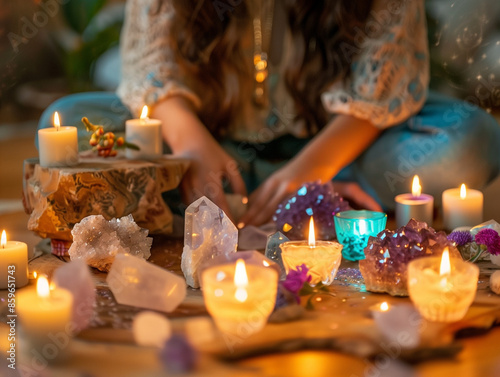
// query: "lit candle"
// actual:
[[45, 317], [240, 297], [442, 289], [415, 205], [462, 207], [322, 258], [13, 263], [58, 146], [146, 134], [354, 228]]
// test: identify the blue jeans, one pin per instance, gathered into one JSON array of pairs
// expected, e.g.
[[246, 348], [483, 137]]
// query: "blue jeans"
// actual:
[[447, 143]]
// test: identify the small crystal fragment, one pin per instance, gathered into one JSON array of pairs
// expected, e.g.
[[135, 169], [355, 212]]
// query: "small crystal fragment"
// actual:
[[97, 241], [75, 277], [495, 282], [151, 329], [273, 250], [177, 355], [136, 282], [208, 232], [398, 320]]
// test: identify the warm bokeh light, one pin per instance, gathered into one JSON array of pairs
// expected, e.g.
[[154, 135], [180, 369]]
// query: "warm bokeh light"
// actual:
[[144, 113], [463, 191], [35, 274], [42, 287], [57, 122], [384, 306], [312, 236], [362, 227], [3, 241], [416, 189]]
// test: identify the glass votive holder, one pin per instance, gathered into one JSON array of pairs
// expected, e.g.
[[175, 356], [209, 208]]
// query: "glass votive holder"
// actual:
[[240, 309], [442, 298], [322, 259], [353, 229]]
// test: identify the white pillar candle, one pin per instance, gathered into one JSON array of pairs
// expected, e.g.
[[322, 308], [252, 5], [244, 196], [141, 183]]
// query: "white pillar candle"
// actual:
[[462, 207], [13, 263], [415, 205], [58, 146], [45, 316], [146, 134]]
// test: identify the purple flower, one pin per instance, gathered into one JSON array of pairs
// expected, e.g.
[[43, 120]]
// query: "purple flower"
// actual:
[[296, 278], [490, 239], [460, 237]]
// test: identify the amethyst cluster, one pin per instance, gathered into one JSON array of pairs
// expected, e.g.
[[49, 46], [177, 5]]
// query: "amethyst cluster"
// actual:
[[388, 255], [312, 199]]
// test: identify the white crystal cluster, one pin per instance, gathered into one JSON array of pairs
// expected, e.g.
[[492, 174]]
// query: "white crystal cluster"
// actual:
[[208, 233], [97, 241]]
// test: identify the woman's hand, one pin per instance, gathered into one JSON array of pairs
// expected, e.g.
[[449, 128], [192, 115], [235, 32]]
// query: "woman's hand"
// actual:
[[210, 166], [337, 145]]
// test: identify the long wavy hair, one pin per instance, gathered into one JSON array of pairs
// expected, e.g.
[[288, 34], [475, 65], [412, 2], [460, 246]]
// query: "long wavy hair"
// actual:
[[208, 48]]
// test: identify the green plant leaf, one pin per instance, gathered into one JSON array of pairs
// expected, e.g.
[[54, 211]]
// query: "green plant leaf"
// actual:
[[79, 13]]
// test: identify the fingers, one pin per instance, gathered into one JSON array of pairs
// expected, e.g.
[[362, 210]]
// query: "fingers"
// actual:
[[236, 182], [263, 203]]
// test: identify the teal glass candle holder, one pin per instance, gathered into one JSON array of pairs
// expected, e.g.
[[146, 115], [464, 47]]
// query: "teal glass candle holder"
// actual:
[[353, 229]]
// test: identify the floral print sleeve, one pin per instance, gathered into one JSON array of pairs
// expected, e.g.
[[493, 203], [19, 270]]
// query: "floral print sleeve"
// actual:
[[150, 73], [390, 73]]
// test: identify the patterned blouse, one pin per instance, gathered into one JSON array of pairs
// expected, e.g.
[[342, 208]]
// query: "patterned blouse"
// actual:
[[387, 83]]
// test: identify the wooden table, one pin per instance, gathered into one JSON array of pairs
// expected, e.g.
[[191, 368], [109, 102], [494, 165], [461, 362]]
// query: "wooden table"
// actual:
[[107, 348]]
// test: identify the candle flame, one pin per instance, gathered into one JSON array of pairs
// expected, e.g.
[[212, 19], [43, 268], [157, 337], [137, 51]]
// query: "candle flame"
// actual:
[[416, 189], [42, 287], [463, 191], [57, 122], [445, 267], [240, 281], [3, 242], [240, 274], [266, 264], [384, 306], [312, 236], [35, 274], [144, 113]]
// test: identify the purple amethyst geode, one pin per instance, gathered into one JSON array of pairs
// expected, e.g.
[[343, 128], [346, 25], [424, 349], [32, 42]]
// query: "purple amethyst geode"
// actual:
[[388, 255], [311, 199]]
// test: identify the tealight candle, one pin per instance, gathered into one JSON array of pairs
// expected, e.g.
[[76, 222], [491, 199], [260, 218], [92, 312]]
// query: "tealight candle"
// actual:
[[240, 297], [462, 207], [13, 263], [45, 317], [415, 205], [146, 134], [354, 228], [58, 146], [322, 258], [442, 290]]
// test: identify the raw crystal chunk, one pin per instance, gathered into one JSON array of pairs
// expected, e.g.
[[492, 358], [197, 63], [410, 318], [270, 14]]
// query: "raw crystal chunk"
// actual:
[[97, 241], [136, 282], [208, 232], [273, 250], [75, 277], [151, 329], [250, 257], [388, 255], [311, 199]]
